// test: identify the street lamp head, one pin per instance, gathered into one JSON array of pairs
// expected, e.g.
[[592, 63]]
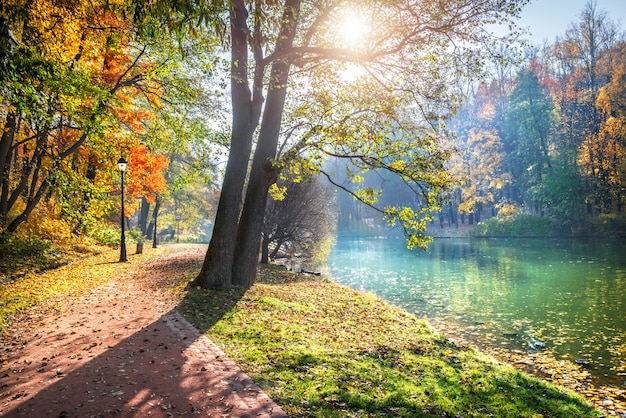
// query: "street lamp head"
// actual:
[[121, 164]]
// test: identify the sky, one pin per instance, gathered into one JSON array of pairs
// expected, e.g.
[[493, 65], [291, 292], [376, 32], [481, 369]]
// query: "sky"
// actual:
[[547, 19]]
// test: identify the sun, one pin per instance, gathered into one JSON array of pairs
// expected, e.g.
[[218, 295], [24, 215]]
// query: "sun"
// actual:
[[353, 29]]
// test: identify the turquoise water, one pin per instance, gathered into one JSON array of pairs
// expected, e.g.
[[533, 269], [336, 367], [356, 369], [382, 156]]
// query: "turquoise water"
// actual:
[[514, 293]]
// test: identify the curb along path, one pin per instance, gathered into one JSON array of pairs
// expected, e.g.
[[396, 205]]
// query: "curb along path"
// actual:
[[123, 350], [245, 397]]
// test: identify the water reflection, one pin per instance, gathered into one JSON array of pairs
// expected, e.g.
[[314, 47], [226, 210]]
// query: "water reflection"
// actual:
[[568, 294]]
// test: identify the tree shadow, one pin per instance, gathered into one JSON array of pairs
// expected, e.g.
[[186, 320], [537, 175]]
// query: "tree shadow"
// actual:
[[164, 369], [205, 307], [100, 361]]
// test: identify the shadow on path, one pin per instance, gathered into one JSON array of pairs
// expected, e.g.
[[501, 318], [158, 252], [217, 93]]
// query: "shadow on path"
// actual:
[[164, 369], [123, 350]]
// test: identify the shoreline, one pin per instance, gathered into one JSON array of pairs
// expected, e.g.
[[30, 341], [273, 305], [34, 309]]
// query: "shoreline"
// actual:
[[544, 365]]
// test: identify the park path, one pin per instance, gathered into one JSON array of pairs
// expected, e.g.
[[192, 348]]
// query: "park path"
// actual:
[[123, 350]]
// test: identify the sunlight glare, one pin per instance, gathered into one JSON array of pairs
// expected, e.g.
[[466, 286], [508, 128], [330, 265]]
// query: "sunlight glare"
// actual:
[[353, 29], [352, 73]]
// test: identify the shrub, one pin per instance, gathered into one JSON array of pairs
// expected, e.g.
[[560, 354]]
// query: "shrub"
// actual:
[[105, 234], [16, 246], [45, 224], [24, 252], [521, 225], [135, 235], [610, 224]]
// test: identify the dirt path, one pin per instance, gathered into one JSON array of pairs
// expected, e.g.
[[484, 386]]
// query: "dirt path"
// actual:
[[122, 349]]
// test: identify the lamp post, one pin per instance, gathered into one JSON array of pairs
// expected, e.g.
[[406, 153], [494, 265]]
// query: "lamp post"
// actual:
[[121, 165], [154, 231]]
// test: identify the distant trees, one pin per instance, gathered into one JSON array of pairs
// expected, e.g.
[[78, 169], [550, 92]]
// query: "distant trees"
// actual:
[[527, 136], [554, 140]]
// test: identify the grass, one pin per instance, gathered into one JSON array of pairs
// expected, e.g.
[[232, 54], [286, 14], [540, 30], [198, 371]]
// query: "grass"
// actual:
[[323, 350]]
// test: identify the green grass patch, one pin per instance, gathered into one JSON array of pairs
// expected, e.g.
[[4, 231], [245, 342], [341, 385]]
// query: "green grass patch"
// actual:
[[323, 350]]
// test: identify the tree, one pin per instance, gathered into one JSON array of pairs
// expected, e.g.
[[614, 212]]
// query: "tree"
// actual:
[[585, 57], [77, 78], [411, 52], [530, 122], [592, 36], [83, 85], [602, 155], [300, 216], [484, 178], [479, 160]]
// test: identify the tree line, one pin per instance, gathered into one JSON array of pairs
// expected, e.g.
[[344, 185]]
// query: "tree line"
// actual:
[[548, 137], [543, 136]]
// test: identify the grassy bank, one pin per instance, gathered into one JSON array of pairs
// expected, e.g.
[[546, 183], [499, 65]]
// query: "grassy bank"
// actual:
[[322, 350]]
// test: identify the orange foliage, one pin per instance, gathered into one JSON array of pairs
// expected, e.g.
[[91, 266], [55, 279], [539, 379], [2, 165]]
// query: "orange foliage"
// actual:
[[541, 72], [612, 97], [146, 169]]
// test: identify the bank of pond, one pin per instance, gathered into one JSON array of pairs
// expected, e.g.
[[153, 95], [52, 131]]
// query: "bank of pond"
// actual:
[[323, 350], [555, 307]]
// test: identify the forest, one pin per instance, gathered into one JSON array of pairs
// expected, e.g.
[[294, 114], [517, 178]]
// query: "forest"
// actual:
[[539, 142], [533, 132], [548, 138], [81, 87]]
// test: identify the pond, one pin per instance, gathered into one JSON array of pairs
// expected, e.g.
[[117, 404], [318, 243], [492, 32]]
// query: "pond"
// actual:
[[563, 296]]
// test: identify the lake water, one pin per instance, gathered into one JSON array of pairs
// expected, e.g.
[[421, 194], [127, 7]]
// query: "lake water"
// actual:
[[516, 293]]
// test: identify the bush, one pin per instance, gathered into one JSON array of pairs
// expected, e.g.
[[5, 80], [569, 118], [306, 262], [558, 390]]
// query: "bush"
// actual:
[[14, 246], [522, 225], [135, 235], [45, 224], [606, 225], [105, 234], [24, 252]]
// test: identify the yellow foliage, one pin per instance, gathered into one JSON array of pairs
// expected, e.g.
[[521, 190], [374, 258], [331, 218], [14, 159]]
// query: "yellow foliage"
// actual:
[[466, 207], [615, 127], [277, 193], [398, 165], [507, 210], [45, 223], [603, 101], [487, 111]]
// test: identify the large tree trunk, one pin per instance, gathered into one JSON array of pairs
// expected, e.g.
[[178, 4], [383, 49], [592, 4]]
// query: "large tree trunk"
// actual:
[[263, 173], [217, 268]]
